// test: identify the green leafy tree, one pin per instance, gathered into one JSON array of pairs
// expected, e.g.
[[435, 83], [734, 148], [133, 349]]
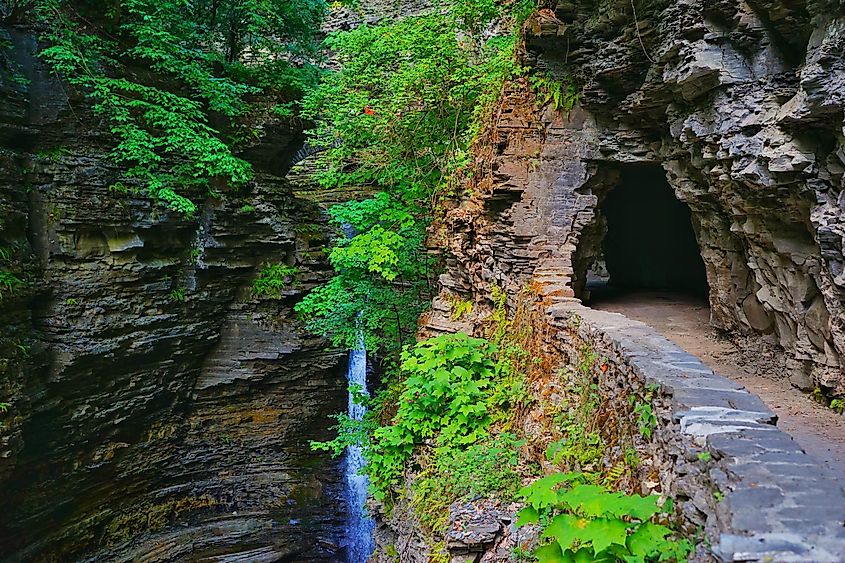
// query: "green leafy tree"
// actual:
[[207, 58]]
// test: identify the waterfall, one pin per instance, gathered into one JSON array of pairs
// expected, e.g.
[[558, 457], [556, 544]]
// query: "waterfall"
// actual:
[[359, 525]]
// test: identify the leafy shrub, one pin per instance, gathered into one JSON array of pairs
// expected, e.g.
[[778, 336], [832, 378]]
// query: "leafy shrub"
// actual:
[[164, 139], [273, 279], [585, 522], [482, 469], [444, 398]]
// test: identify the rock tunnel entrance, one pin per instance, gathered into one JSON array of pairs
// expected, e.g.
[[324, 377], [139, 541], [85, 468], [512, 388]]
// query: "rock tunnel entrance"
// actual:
[[648, 241]]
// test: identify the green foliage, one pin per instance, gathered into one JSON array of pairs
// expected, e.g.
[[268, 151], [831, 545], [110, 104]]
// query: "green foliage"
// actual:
[[9, 283], [409, 97], [247, 208], [586, 522], [447, 400], [273, 279], [119, 188], [561, 95], [821, 396], [408, 100], [704, 456], [581, 444], [4, 408], [54, 154], [646, 420], [444, 398], [483, 469], [382, 280], [24, 349], [459, 308], [178, 294], [164, 138]]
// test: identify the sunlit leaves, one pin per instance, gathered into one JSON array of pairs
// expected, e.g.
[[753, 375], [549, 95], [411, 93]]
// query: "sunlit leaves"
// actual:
[[586, 522]]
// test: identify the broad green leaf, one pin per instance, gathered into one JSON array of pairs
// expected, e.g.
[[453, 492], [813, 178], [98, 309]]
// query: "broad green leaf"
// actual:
[[551, 553], [604, 532], [642, 508], [590, 500], [647, 539], [565, 529], [527, 515]]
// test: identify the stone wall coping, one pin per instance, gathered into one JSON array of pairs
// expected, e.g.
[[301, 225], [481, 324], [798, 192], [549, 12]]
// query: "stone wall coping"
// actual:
[[780, 504]]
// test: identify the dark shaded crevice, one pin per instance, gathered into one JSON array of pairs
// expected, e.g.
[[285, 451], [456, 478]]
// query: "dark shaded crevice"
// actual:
[[648, 240], [650, 243]]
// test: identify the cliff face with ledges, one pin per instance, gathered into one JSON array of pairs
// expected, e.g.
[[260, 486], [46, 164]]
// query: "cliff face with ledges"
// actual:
[[159, 411], [739, 103]]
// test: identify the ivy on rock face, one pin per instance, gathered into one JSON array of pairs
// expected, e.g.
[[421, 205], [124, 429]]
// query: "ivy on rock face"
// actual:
[[203, 58], [407, 102]]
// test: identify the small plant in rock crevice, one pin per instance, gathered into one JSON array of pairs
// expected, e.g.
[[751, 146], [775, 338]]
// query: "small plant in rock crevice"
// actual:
[[823, 397], [178, 294], [9, 283], [459, 308], [561, 95], [273, 279]]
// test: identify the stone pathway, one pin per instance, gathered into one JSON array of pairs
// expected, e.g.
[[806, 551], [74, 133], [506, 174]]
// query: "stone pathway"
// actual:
[[685, 321]]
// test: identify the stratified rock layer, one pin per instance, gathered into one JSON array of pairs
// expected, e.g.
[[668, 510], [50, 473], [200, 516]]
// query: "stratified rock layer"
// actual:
[[741, 103], [159, 411]]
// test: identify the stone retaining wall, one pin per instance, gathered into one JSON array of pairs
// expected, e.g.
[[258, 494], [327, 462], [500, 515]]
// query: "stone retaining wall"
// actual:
[[757, 494]]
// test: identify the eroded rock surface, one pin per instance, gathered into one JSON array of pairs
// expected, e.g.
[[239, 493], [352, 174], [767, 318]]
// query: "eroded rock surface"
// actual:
[[159, 411], [741, 105]]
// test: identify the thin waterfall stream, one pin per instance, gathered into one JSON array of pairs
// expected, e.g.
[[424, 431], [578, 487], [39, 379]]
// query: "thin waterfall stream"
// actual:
[[360, 526]]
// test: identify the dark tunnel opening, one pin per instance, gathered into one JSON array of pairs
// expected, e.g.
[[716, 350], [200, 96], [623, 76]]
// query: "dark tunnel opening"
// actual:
[[650, 243]]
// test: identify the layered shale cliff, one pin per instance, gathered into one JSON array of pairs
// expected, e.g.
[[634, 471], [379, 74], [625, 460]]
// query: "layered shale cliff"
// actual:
[[159, 411], [739, 104]]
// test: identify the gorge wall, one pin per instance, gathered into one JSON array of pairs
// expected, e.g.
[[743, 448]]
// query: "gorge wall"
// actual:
[[740, 103], [159, 410]]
